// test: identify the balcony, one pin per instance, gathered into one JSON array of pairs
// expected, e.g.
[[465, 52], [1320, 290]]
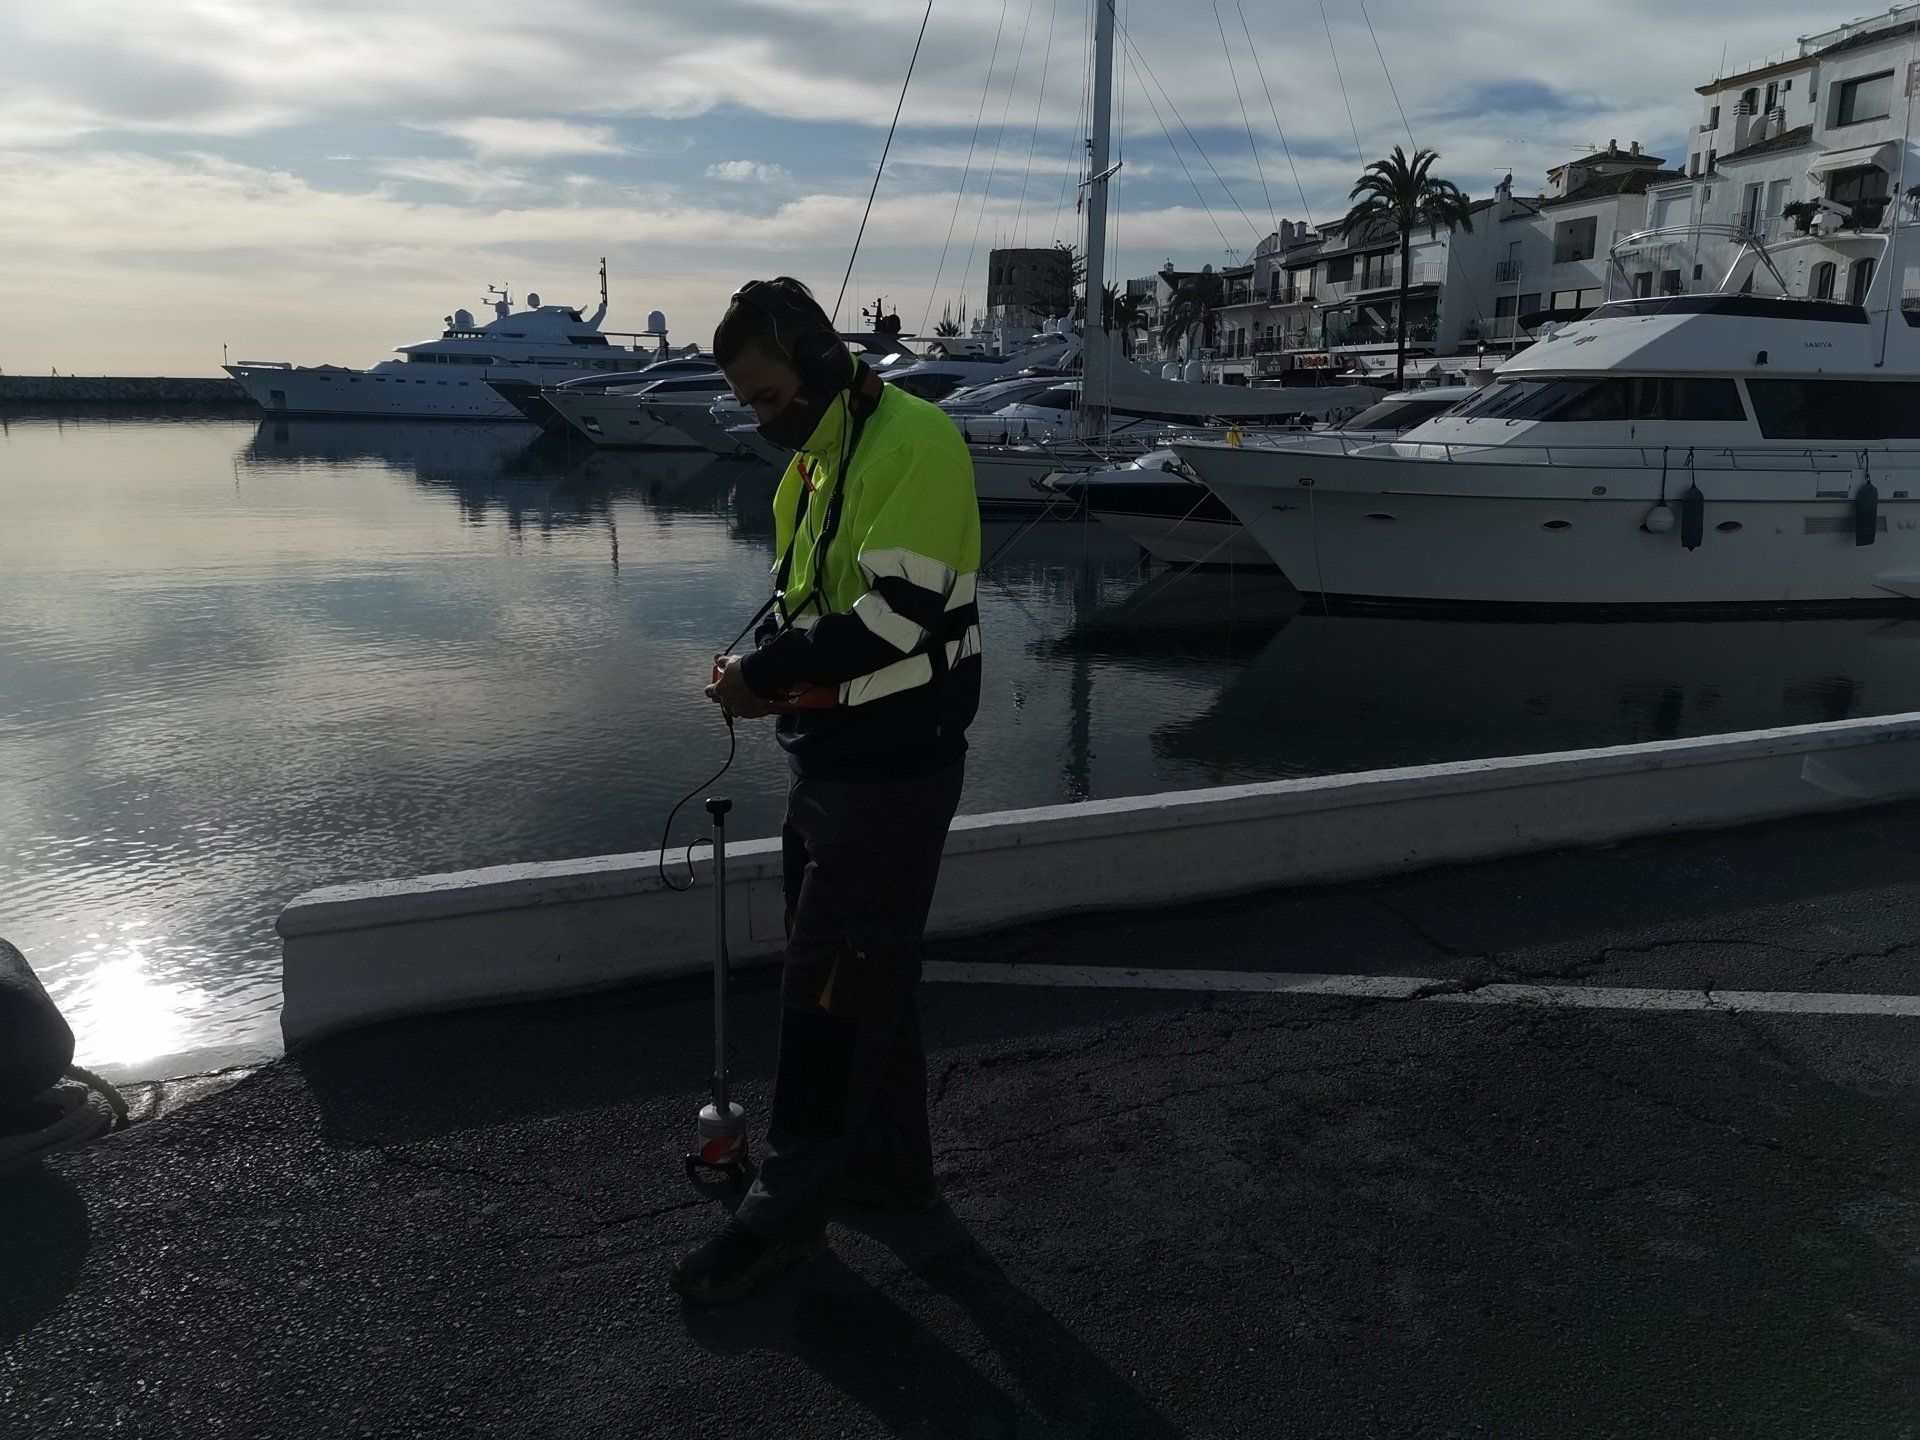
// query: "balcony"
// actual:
[[1296, 340], [1361, 333], [1507, 272], [1571, 254]]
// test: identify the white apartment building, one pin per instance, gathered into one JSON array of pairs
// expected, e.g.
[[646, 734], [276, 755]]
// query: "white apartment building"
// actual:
[[1827, 125], [1534, 258], [1314, 297], [1824, 125]]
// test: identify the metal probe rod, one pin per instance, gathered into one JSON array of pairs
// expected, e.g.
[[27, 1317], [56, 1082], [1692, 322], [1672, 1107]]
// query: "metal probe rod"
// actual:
[[718, 810]]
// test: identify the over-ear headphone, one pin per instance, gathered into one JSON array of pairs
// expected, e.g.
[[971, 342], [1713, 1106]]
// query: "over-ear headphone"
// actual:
[[819, 356]]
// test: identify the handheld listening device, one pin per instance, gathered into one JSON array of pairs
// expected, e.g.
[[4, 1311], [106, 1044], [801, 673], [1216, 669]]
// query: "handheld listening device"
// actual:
[[801, 697]]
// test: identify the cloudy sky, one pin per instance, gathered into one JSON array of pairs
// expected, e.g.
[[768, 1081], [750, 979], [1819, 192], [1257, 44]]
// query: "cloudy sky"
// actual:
[[321, 180]]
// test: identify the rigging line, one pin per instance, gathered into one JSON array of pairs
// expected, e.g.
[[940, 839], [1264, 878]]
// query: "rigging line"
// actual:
[[1305, 209], [1359, 151], [966, 170], [1198, 148], [1076, 156], [986, 194], [1220, 25], [1391, 88], [1198, 195], [1033, 140], [880, 169], [1466, 279]]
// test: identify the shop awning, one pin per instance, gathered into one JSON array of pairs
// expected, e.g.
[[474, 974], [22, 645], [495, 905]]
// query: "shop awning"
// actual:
[[1861, 157]]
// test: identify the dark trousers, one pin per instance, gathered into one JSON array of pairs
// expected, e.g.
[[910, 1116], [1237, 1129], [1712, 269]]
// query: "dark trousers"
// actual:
[[850, 1089]]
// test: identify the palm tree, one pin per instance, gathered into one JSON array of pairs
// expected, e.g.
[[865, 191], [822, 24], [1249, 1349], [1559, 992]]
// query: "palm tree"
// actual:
[[1402, 193], [1195, 298], [1125, 316]]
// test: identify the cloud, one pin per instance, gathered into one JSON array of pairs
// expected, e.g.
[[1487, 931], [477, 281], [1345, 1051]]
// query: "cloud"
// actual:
[[193, 141], [496, 135], [747, 170], [470, 178]]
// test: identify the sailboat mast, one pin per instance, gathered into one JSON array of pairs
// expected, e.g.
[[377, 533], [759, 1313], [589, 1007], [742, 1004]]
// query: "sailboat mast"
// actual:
[[1094, 386]]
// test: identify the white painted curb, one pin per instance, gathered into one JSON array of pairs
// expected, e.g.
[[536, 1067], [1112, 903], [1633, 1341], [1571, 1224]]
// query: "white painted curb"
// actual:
[[355, 954]]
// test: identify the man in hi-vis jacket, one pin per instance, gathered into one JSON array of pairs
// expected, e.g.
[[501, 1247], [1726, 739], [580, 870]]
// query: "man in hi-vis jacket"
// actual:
[[873, 658]]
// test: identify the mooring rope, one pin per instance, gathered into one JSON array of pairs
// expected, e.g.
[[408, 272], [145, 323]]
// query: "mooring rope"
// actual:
[[80, 1122]]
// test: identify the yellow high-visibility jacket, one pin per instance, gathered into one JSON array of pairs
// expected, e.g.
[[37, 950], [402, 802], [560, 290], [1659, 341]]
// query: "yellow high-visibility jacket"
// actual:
[[893, 622]]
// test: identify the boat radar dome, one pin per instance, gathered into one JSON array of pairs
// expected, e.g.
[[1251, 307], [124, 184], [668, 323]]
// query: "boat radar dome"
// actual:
[[656, 322], [463, 319], [533, 301]]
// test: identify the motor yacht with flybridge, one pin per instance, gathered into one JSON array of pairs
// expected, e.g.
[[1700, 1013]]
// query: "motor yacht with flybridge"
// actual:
[[1754, 444], [448, 378]]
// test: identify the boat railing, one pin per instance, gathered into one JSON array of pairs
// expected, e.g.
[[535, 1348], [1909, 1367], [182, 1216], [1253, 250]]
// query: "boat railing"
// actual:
[[1677, 460], [1742, 257]]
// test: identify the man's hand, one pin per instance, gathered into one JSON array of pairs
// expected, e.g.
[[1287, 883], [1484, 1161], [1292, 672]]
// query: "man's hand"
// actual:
[[732, 694]]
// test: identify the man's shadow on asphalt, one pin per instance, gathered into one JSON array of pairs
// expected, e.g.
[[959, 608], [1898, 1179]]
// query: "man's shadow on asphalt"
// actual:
[[880, 1356], [45, 1248]]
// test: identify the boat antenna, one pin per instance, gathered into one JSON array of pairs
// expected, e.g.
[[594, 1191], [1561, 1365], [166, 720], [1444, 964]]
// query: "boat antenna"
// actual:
[[601, 313], [880, 169]]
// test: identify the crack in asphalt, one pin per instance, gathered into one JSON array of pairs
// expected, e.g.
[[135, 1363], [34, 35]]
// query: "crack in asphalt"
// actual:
[[1850, 1170], [1582, 969]]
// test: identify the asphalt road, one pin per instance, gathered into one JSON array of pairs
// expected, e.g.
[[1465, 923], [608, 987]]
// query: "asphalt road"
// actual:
[[1171, 1212]]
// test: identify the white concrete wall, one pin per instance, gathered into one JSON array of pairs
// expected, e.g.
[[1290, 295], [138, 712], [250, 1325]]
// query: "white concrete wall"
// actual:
[[356, 954]]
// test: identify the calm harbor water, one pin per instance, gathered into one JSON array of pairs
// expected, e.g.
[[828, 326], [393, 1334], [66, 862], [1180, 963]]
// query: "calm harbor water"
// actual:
[[240, 660]]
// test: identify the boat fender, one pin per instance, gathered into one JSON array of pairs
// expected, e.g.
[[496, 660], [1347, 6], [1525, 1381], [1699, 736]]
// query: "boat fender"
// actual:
[[1866, 513], [1659, 520], [1693, 517]]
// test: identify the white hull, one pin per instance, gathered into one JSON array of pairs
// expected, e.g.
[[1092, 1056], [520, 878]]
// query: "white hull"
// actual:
[[615, 419], [758, 444], [1384, 525], [1008, 478], [1190, 541], [433, 394], [702, 427]]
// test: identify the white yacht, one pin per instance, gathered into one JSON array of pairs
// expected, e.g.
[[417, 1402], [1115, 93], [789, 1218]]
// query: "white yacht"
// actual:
[[635, 416], [937, 377], [447, 378], [1159, 503], [1020, 447], [529, 397], [1755, 444]]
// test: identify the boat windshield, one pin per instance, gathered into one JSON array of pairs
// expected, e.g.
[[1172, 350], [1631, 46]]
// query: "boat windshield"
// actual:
[[1398, 414], [1566, 399]]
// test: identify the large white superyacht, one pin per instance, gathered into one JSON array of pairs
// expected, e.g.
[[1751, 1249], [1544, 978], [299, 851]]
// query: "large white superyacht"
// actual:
[[448, 378], [1753, 444]]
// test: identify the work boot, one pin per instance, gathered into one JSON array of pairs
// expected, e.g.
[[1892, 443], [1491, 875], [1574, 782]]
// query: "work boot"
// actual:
[[879, 1195], [737, 1262]]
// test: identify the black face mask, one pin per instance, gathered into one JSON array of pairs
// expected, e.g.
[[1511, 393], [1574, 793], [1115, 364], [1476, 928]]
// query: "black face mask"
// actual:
[[794, 425]]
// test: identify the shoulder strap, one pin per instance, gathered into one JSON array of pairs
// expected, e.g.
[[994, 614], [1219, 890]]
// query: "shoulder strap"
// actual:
[[863, 398]]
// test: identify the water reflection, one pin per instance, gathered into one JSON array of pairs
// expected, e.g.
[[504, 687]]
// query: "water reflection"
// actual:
[[238, 661], [1342, 693]]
